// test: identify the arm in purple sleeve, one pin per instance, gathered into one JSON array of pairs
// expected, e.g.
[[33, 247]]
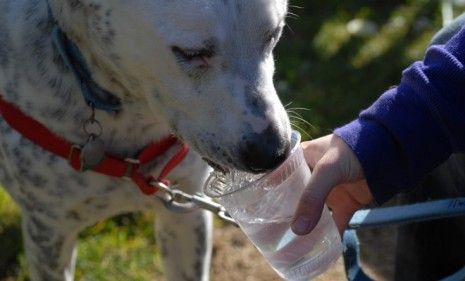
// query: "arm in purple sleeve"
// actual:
[[413, 128]]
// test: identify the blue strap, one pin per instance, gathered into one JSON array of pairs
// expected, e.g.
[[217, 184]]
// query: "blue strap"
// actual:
[[458, 276], [93, 94], [396, 215], [353, 269], [408, 214]]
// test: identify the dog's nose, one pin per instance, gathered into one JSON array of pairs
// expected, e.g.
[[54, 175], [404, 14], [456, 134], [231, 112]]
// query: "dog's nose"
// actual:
[[265, 151]]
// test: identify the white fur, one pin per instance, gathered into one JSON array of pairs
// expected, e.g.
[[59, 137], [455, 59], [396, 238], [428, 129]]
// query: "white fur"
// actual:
[[127, 45]]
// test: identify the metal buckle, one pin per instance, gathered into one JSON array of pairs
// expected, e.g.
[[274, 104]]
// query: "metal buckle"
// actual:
[[162, 186], [181, 202], [132, 163], [74, 148]]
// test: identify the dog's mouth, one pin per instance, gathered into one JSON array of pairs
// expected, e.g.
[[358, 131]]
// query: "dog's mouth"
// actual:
[[216, 166]]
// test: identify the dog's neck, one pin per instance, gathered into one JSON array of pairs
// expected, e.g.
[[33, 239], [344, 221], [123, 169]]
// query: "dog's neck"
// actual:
[[72, 25], [94, 95], [49, 92]]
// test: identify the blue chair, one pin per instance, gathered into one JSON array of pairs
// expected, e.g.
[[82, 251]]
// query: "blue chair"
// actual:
[[432, 210]]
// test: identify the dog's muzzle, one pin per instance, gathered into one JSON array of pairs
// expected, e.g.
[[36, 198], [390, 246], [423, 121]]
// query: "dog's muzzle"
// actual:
[[265, 151]]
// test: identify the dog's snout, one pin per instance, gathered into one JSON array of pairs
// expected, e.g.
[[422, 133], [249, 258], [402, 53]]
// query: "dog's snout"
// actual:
[[265, 151]]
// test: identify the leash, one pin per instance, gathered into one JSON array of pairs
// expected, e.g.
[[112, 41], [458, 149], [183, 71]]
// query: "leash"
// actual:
[[173, 199], [181, 202]]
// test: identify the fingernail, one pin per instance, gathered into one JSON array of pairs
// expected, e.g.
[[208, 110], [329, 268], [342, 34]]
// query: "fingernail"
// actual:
[[300, 225]]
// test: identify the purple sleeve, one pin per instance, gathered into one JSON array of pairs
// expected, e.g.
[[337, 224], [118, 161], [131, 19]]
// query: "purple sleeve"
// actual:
[[413, 128]]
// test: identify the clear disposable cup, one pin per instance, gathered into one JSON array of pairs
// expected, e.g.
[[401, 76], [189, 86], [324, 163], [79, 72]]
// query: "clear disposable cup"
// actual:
[[263, 206]]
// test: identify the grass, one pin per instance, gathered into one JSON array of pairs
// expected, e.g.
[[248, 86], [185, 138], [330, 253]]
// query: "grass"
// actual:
[[122, 248], [10, 235]]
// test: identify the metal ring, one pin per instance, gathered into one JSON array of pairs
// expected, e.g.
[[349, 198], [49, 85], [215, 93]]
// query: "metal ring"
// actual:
[[227, 218], [178, 207], [181, 197], [182, 208], [92, 127], [162, 186]]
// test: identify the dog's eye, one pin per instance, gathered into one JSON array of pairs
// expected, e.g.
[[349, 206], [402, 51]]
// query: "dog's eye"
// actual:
[[272, 37], [192, 54]]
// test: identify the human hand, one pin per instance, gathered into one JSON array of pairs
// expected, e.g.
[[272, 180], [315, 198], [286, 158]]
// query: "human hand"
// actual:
[[337, 178]]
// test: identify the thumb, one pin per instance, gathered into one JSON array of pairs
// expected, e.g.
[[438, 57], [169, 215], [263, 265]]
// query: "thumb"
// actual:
[[325, 175]]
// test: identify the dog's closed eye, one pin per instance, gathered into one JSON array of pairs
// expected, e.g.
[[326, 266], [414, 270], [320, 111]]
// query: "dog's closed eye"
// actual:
[[271, 38], [192, 55]]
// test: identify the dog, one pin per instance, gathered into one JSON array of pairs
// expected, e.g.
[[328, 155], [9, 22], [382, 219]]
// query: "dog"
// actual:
[[200, 70]]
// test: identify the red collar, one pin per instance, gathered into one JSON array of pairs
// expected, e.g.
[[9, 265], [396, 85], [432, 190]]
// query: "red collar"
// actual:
[[110, 166]]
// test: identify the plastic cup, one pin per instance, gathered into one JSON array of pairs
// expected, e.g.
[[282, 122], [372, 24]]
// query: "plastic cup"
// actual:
[[263, 206]]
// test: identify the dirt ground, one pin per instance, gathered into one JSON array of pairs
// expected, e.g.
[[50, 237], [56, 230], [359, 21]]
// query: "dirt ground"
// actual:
[[235, 258]]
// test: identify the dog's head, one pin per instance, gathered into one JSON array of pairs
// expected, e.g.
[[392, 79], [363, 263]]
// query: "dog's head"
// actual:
[[206, 66]]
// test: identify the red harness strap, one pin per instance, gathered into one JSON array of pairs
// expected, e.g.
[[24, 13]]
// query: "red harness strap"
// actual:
[[110, 165]]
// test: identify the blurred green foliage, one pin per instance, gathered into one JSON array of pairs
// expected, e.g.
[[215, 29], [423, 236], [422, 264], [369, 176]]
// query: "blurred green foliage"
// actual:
[[335, 58], [334, 72]]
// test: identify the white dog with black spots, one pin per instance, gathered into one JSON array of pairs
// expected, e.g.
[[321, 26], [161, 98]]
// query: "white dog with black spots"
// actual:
[[202, 70]]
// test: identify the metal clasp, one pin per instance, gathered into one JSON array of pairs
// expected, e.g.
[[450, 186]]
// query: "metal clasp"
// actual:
[[208, 204], [132, 163], [74, 149], [181, 202]]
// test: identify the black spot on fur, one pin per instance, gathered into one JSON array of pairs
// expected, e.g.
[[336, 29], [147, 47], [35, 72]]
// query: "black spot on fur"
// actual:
[[39, 232], [95, 7], [164, 237], [5, 46], [43, 274], [30, 9], [102, 24], [10, 89], [185, 277], [73, 215], [200, 247], [75, 5]]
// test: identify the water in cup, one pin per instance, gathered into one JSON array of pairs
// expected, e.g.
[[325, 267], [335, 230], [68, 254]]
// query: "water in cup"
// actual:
[[290, 255], [263, 206]]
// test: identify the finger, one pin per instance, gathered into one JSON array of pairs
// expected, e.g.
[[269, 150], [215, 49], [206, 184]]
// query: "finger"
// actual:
[[311, 203], [315, 149], [341, 219], [342, 205]]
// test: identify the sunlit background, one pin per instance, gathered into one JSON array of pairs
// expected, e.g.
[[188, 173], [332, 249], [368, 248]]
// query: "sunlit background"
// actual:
[[338, 56], [335, 58]]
